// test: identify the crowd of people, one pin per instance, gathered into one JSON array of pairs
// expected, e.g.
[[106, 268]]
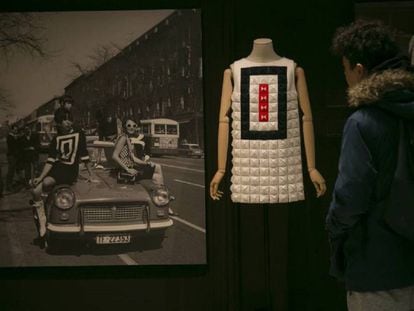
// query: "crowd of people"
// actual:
[[68, 149], [23, 147]]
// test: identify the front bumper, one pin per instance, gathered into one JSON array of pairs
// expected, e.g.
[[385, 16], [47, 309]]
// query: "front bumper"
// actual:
[[110, 228]]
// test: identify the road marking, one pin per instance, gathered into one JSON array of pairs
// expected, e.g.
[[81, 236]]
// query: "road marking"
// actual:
[[128, 260], [176, 159], [189, 183], [183, 168], [188, 224]]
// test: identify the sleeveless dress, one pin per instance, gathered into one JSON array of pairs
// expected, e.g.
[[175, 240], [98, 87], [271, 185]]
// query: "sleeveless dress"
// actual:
[[144, 171], [125, 155], [266, 146]]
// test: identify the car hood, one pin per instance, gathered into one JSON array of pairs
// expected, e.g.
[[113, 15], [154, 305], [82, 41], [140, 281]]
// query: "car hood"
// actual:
[[104, 187]]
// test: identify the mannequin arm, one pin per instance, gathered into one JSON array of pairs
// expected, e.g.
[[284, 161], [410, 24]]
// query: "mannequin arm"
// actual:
[[308, 135], [223, 135]]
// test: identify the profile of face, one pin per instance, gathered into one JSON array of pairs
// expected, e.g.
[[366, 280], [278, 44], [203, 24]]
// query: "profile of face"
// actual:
[[67, 105], [66, 126], [130, 127], [353, 75]]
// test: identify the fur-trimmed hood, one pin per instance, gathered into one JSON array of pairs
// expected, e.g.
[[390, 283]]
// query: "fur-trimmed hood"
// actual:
[[391, 89]]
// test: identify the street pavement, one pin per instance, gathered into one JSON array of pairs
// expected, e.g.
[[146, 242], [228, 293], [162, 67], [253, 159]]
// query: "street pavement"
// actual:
[[185, 241]]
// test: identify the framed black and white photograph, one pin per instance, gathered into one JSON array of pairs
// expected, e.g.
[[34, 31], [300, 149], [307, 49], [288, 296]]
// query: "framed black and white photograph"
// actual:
[[102, 139]]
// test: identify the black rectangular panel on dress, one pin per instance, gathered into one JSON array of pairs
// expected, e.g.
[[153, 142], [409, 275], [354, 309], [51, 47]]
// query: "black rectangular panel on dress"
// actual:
[[281, 72]]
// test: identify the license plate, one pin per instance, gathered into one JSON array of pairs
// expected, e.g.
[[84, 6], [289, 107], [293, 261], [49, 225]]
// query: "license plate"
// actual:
[[113, 239]]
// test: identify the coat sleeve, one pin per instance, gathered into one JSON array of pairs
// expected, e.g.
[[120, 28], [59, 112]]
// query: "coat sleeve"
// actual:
[[9, 142], [353, 191], [36, 142], [83, 150], [355, 183], [53, 152]]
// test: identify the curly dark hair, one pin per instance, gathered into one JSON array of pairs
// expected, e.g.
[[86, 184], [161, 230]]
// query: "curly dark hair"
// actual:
[[366, 42]]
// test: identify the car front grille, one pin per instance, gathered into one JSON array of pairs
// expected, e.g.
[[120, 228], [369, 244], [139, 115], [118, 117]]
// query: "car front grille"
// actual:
[[113, 213]]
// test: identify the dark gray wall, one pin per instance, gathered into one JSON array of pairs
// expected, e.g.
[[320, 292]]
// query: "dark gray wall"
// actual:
[[260, 257]]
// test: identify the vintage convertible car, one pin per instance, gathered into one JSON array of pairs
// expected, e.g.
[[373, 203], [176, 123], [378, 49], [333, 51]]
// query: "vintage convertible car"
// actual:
[[107, 210]]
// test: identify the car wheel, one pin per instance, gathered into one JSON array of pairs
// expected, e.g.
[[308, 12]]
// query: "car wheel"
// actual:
[[53, 245]]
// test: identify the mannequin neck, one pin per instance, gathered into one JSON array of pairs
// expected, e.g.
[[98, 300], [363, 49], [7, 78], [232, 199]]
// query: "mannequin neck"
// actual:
[[263, 51]]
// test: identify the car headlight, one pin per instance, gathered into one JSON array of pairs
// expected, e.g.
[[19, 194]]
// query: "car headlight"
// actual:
[[64, 198], [161, 196]]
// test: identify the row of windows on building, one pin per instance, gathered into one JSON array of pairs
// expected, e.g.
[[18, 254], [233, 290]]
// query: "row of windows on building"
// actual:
[[161, 109], [130, 85]]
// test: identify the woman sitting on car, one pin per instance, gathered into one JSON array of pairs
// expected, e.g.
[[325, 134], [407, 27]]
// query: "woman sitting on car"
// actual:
[[125, 157], [129, 163]]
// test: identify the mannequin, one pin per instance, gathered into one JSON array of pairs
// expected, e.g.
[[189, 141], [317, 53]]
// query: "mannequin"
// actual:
[[263, 53]]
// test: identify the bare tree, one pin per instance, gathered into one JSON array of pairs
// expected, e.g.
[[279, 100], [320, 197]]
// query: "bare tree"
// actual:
[[21, 32], [100, 55], [6, 105]]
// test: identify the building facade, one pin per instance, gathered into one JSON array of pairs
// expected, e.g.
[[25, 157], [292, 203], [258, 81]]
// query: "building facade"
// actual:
[[158, 75]]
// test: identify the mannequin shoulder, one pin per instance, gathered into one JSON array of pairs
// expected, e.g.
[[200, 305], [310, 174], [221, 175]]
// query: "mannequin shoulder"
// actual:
[[299, 71], [227, 76], [300, 74]]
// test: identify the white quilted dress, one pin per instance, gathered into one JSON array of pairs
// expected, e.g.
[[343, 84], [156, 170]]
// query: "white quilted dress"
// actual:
[[267, 163]]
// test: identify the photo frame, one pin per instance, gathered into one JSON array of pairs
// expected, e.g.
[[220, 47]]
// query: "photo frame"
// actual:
[[137, 66]]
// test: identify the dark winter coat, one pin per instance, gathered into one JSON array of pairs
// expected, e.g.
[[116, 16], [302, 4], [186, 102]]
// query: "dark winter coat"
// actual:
[[13, 148], [107, 128], [30, 146], [366, 254]]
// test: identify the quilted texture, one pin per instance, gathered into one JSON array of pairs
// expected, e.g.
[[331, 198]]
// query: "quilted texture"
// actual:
[[266, 147]]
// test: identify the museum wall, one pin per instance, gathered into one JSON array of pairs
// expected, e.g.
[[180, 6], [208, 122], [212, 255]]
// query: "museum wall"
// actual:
[[260, 257]]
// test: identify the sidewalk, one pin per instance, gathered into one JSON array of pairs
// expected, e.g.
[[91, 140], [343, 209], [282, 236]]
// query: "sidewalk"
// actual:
[[15, 201]]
